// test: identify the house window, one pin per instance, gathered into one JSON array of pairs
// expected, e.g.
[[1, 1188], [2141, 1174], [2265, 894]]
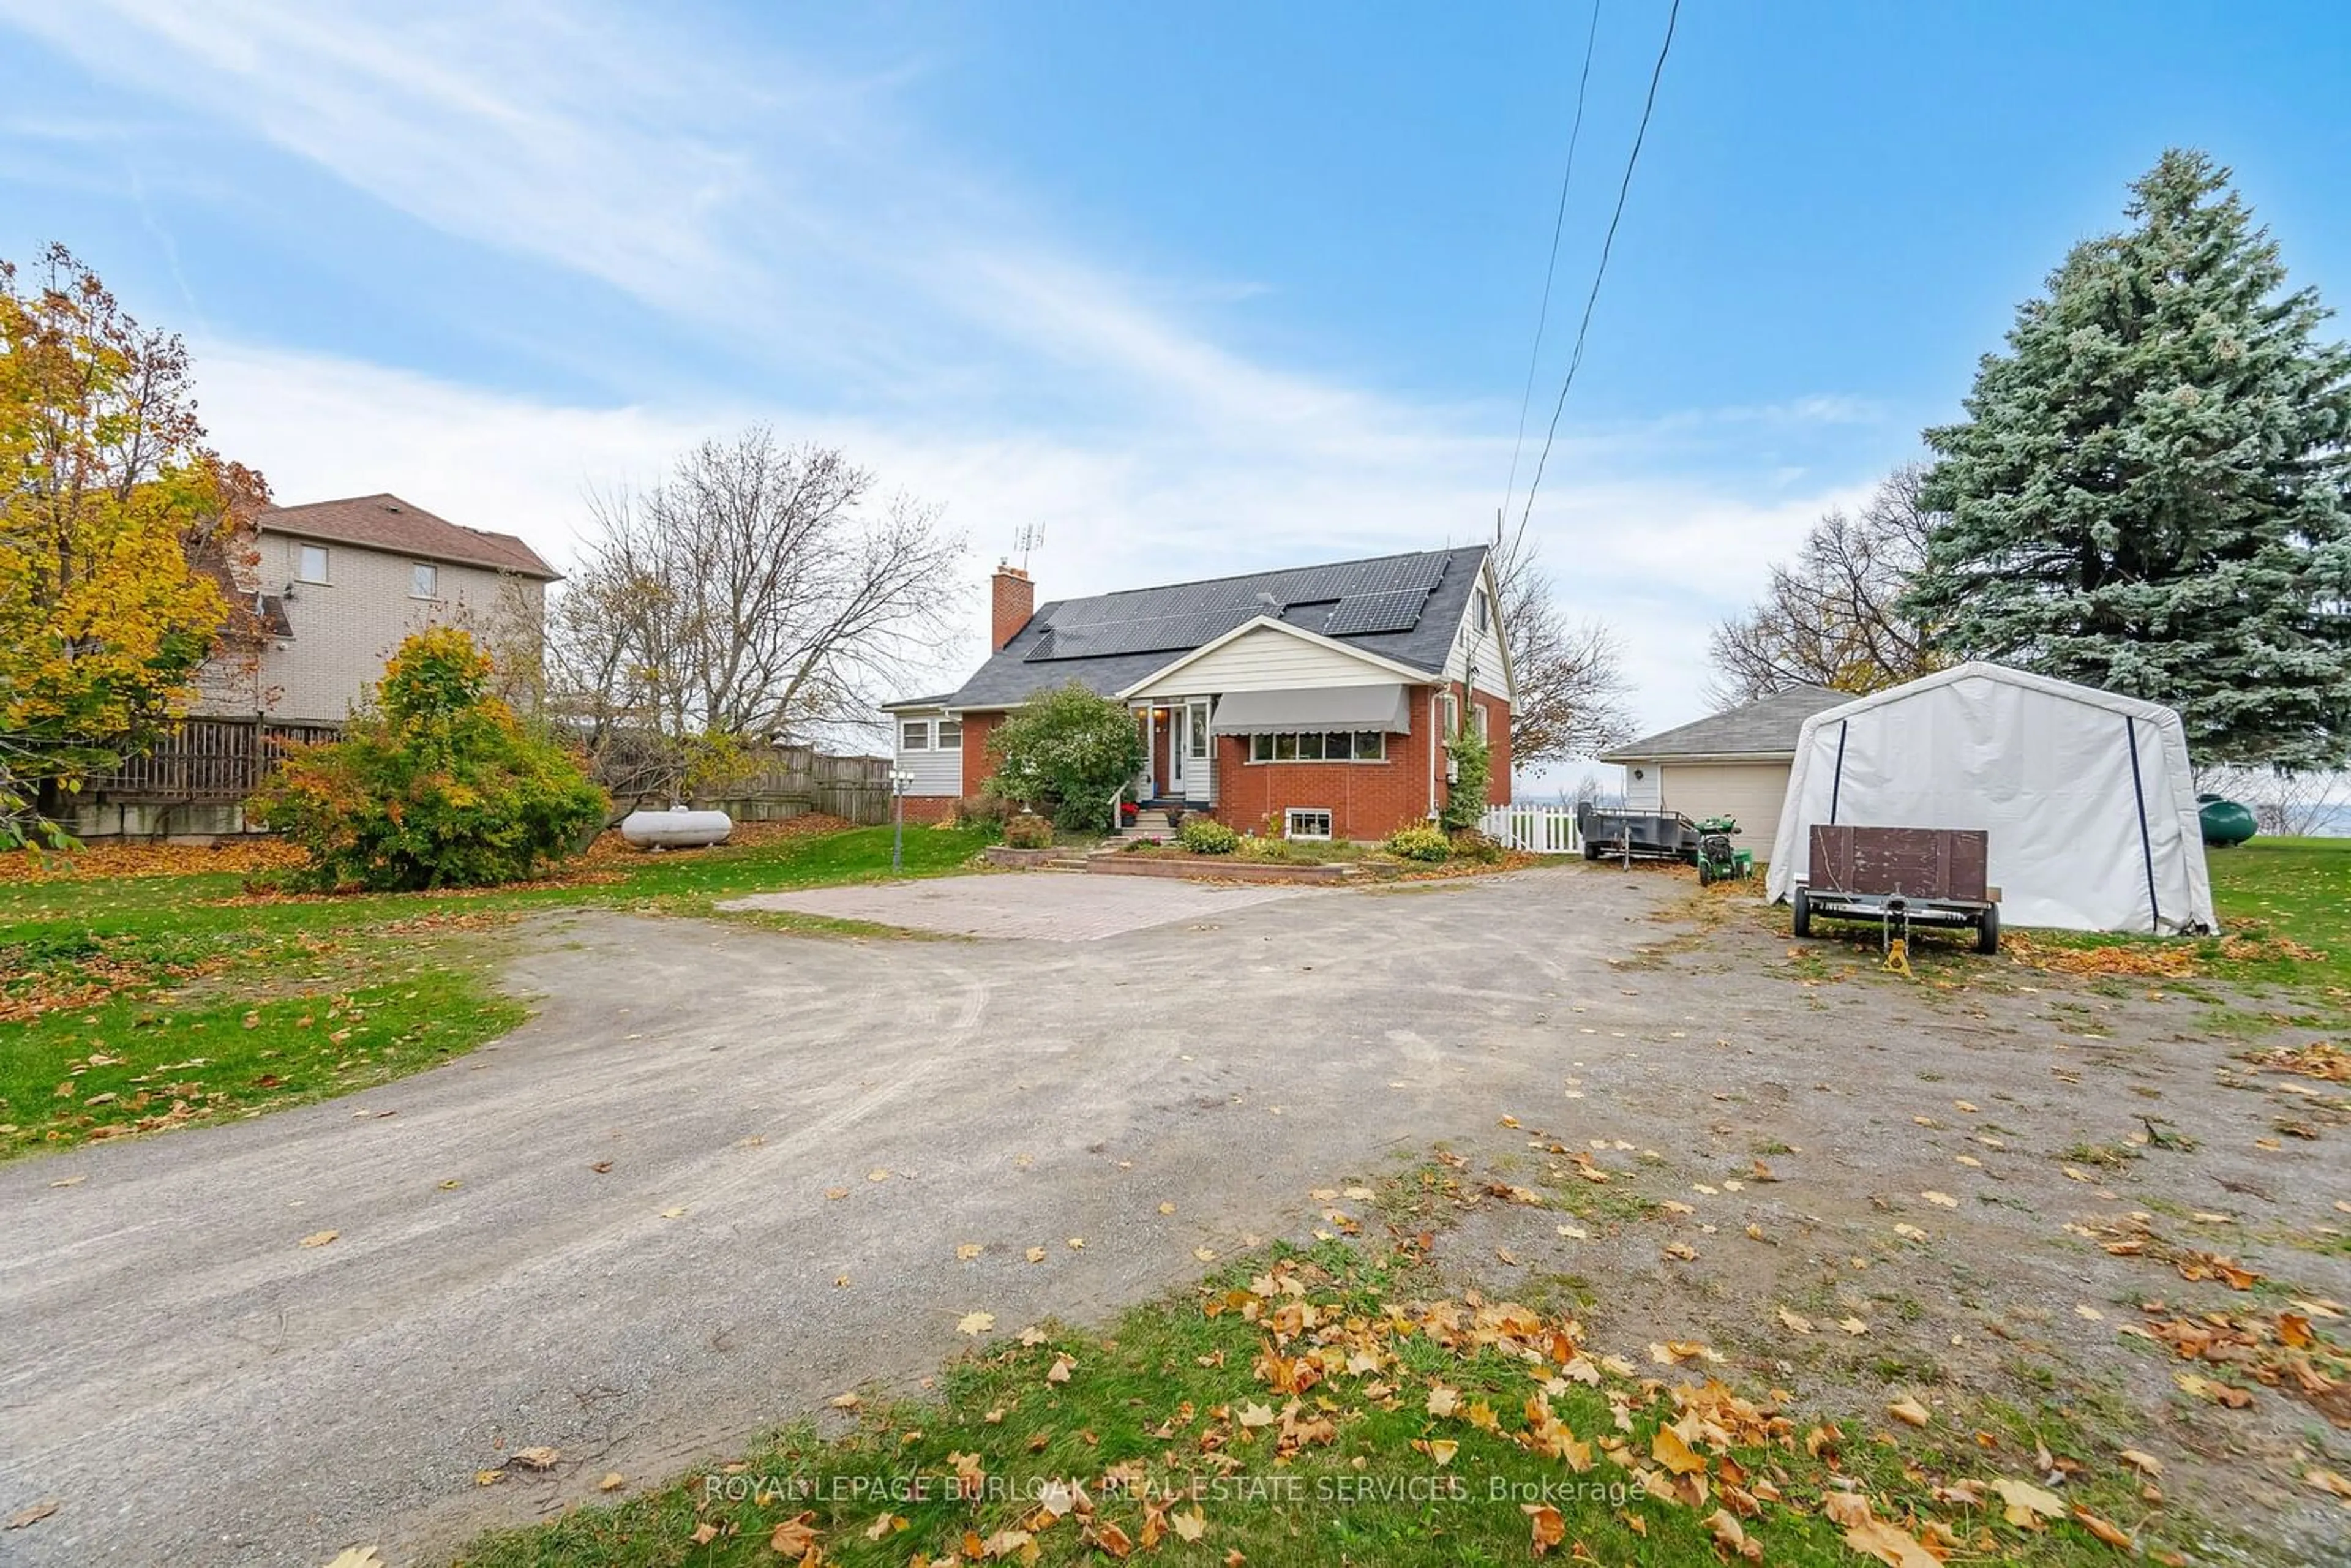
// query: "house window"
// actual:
[[950, 733], [1321, 746], [1478, 713], [310, 565], [423, 581], [1448, 716], [915, 735], [1484, 611], [1299, 823]]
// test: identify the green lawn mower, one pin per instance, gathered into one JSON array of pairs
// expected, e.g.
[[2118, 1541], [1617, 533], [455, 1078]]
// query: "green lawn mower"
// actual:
[[1717, 861]]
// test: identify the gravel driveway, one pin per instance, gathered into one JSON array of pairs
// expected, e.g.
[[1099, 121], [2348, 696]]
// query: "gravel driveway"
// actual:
[[616, 1232]]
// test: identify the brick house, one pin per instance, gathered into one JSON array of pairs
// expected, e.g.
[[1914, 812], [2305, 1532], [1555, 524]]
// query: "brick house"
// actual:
[[1312, 703], [337, 586]]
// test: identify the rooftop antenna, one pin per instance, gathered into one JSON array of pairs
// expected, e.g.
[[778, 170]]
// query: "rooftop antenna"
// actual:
[[1032, 536]]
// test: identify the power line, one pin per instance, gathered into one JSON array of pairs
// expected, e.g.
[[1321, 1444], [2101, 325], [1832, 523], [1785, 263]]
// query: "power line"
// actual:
[[1575, 360], [1558, 222]]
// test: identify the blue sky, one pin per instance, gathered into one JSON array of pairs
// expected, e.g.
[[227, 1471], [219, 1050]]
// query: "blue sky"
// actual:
[[1198, 289]]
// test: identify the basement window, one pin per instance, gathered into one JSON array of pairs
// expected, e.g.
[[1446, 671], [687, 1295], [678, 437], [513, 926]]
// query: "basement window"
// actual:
[[1302, 823]]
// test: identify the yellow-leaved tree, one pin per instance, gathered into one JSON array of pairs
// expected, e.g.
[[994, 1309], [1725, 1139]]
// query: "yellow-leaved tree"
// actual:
[[122, 537]]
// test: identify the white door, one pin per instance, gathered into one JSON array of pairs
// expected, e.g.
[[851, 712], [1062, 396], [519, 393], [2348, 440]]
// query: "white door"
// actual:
[[1195, 751]]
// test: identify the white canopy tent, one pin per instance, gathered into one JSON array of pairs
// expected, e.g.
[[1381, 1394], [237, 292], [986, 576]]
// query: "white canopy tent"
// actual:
[[2088, 797]]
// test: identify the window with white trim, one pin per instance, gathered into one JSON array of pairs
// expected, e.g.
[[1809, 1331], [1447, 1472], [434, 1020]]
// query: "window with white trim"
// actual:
[[1303, 822], [1321, 746], [311, 564], [1448, 716], [950, 733], [915, 735], [1478, 717], [1485, 610], [423, 581]]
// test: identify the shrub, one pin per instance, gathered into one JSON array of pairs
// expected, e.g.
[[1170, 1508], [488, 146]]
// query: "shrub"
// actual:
[[1471, 844], [1206, 836], [1279, 851], [982, 811], [440, 786], [1029, 832], [1465, 797], [1420, 841], [1069, 751]]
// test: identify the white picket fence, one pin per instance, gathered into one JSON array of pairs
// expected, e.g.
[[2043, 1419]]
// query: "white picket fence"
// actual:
[[1536, 830]]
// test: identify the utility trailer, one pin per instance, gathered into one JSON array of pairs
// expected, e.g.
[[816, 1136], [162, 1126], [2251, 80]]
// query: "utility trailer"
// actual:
[[1635, 835], [1900, 877]]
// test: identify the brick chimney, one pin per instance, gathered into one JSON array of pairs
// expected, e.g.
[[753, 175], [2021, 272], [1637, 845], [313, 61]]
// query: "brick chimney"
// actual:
[[1013, 600]]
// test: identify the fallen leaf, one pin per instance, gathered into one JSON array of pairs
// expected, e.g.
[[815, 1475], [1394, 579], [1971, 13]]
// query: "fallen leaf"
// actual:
[[836, 1192], [975, 1322], [1731, 1536], [794, 1537], [1166, 1208], [967, 1251], [1795, 1322], [2226, 1393], [1908, 1232], [2145, 1463], [70, 1181], [672, 1213], [319, 1237], [534, 1458], [1077, 1243], [1668, 1449], [1550, 1528], [1205, 1254], [1574, 1232], [885, 1524], [1035, 1254], [704, 1533], [1943, 1198], [1909, 1411], [613, 1482], [879, 1173], [2082, 1309], [1853, 1326], [1254, 1415], [2105, 1530], [846, 1401], [33, 1514], [1189, 1527], [1890, 1544], [2026, 1500], [1059, 1371], [356, 1557]]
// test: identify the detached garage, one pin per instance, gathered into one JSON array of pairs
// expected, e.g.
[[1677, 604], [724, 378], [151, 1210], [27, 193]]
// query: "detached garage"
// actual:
[[1733, 764], [2086, 797]]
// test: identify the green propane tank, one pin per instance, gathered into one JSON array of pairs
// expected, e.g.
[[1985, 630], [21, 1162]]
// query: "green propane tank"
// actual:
[[2226, 823]]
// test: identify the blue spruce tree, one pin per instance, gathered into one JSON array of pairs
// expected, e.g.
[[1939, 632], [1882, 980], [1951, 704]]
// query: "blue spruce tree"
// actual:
[[2149, 491]]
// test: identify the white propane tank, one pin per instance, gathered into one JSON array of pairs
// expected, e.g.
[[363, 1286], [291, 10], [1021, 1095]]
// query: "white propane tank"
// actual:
[[679, 827]]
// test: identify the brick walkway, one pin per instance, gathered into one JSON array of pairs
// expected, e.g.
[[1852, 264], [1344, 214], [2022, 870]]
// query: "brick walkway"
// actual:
[[1042, 906]]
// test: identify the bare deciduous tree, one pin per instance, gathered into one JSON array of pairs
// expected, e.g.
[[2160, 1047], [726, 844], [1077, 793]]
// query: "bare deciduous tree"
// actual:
[[757, 594], [1830, 618], [2284, 805], [1570, 676]]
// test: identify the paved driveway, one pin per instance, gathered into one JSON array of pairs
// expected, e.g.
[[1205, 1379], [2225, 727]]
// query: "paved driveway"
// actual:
[[1047, 907], [611, 1233]]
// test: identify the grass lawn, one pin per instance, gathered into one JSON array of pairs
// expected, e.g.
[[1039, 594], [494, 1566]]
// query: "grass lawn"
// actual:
[[137, 1003], [1317, 1407]]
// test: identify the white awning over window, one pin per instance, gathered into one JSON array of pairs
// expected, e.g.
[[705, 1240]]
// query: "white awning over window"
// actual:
[[1381, 707]]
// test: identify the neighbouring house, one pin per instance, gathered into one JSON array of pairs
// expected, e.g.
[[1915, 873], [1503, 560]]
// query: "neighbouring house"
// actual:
[[1312, 703], [333, 587], [1731, 764], [339, 583]]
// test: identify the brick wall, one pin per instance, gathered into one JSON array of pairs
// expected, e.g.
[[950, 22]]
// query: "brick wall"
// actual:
[[1365, 800], [1498, 735], [929, 808], [978, 767]]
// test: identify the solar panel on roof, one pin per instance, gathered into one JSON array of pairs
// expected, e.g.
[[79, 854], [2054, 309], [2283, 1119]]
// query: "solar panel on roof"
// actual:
[[1362, 614]]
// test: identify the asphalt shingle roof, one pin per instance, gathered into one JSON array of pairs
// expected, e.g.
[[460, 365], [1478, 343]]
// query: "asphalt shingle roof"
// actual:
[[1143, 629], [1765, 728], [402, 527]]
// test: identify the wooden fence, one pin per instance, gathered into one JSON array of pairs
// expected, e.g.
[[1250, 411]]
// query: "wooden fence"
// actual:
[[220, 761], [205, 762]]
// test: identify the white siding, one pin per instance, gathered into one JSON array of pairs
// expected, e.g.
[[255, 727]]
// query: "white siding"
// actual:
[[936, 772], [1643, 787], [1265, 660], [1485, 647]]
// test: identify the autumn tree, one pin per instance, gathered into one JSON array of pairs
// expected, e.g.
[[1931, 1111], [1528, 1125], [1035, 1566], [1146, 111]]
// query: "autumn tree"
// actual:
[[1572, 690], [760, 592], [121, 536], [1833, 616], [2151, 490]]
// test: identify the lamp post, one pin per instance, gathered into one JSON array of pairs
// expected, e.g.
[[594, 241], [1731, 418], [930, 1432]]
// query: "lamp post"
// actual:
[[899, 780]]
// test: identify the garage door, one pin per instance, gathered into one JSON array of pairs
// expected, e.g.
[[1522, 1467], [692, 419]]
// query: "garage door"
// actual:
[[1750, 791]]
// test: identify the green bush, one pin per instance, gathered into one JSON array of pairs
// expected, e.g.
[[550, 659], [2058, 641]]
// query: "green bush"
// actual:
[[1421, 841], [1277, 852], [1465, 797], [1068, 752], [1206, 836], [439, 786], [1029, 832]]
